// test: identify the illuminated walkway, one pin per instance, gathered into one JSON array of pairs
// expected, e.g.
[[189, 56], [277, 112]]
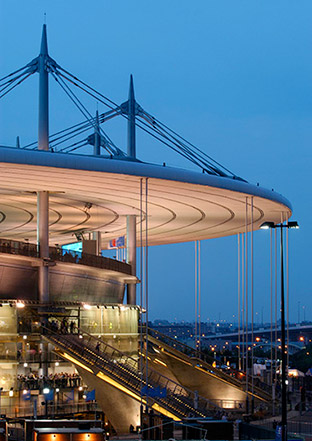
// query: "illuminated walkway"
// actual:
[[121, 371]]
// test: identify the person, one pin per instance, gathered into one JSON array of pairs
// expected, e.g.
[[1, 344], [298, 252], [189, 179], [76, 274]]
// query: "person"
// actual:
[[64, 326], [97, 347], [72, 327]]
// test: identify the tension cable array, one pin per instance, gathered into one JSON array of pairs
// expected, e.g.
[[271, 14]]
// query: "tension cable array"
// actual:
[[14, 79], [143, 120], [155, 128]]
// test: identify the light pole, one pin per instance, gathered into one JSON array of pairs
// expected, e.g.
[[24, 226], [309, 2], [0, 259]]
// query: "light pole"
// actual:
[[267, 225]]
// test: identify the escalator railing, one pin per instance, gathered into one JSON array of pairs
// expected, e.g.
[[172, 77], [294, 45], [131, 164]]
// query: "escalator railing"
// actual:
[[104, 359], [231, 375]]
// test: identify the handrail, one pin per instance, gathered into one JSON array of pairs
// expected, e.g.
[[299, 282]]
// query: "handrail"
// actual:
[[58, 254], [123, 368], [230, 374]]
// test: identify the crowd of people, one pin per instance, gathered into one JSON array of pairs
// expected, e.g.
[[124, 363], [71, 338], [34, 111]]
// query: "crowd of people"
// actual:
[[64, 327], [60, 254], [61, 380]]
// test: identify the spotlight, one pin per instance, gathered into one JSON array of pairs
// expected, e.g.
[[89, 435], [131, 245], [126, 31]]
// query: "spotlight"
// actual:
[[25, 364], [20, 304], [267, 225], [46, 390], [11, 392], [293, 224]]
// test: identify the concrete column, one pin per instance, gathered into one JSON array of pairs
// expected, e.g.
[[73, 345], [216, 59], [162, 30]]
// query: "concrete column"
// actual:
[[131, 257], [96, 235], [43, 242]]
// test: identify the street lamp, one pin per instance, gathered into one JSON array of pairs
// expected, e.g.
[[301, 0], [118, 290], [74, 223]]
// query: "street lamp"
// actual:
[[266, 226]]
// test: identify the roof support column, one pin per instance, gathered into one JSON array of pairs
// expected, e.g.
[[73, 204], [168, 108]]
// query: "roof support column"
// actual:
[[43, 243], [98, 244], [97, 152], [131, 257], [43, 196], [131, 219]]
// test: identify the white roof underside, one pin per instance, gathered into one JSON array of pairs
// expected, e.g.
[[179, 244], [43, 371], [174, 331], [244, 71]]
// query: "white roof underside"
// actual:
[[182, 206]]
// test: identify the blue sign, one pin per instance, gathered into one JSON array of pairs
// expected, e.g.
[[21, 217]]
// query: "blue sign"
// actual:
[[26, 395], [49, 396], [154, 392], [90, 396], [117, 243]]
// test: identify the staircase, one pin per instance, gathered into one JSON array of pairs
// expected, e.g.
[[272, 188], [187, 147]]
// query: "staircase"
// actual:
[[205, 362], [120, 370]]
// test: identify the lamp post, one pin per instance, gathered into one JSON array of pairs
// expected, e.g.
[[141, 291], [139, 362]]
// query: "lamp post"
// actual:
[[265, 226]]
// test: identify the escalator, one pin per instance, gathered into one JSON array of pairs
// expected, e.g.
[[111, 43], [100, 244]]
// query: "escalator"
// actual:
[[119, 370], [172, 352]]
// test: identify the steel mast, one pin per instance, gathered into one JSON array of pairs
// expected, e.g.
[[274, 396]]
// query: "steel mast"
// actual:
[[131, 219], [43, 195]]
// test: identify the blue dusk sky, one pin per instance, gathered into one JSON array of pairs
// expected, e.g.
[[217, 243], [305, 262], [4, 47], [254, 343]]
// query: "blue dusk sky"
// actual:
[[233, 77]]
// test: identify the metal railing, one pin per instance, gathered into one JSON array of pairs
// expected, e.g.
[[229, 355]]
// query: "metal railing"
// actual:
[[231, 375], [101, 356], [61, 255], [51, 408]]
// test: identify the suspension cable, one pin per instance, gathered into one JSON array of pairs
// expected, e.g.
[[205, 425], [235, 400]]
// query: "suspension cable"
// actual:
[[109, 103], [78, 147], [147, 122], [75, 100], [16, 71], [200, 152], [15, 85], [84, 110], [83, 142]]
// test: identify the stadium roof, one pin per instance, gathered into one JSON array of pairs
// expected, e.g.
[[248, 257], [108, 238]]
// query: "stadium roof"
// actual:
[[89, 193]]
